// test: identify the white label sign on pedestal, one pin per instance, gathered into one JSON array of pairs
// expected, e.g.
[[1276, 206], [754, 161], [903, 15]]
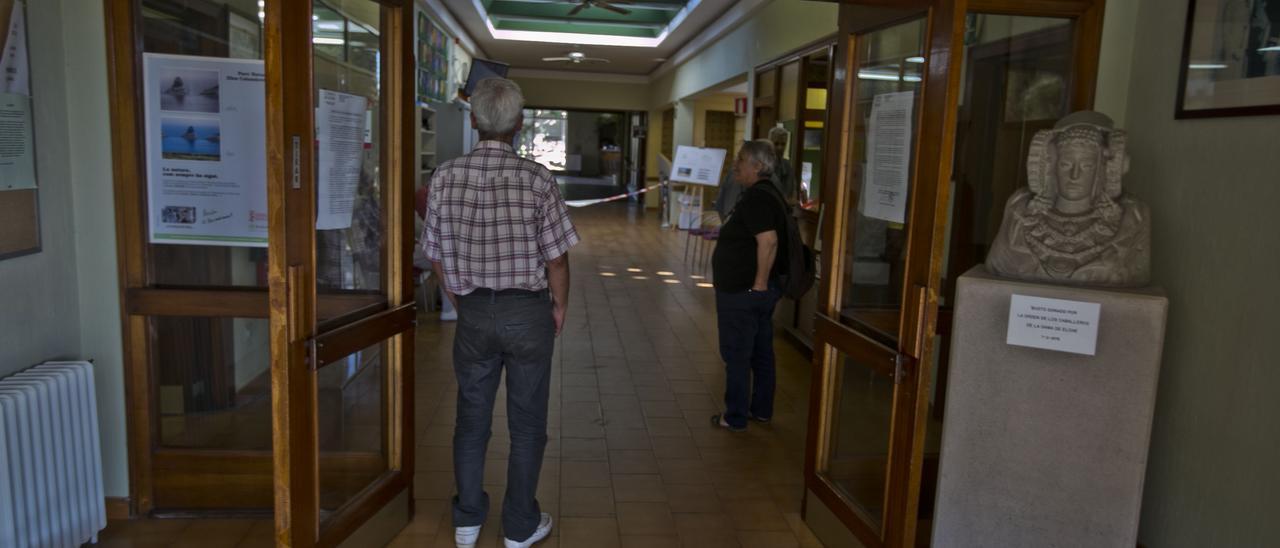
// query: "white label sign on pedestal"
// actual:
[[1054, 324]]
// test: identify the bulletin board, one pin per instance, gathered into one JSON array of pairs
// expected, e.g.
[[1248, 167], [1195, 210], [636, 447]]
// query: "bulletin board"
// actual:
[[19, 200]]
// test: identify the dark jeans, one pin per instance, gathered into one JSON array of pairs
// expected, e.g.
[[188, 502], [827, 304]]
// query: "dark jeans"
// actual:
[[514, 330], [746, 345]]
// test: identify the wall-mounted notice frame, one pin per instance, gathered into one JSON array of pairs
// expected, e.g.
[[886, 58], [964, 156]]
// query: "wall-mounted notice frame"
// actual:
[[19, 199]]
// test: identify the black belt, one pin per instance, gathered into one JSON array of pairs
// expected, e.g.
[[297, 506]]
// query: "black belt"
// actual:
[[486, 292]]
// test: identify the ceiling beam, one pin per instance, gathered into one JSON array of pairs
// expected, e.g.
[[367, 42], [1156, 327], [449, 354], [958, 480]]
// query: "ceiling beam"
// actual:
[[576, 21], [657, 6]]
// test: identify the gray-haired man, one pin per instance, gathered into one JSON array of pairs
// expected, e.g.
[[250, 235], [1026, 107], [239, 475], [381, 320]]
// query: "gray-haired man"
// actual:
[[498, 234]]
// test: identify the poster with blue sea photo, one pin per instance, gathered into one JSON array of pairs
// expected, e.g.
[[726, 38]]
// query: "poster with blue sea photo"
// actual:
[[206, 150], [185, 138]]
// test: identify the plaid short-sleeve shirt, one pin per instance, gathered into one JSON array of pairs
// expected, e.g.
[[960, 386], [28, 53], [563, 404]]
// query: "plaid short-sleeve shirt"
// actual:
[[494, 219]]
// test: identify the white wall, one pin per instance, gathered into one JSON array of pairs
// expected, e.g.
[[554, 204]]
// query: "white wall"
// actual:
[[1213, 187], [89, 132], [64, 302], [779, 27], [40, 317]]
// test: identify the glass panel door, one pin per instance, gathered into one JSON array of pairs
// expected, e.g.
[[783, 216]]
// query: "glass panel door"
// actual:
[[341, 298], [1018, 78], [885, 128], [883, 178]]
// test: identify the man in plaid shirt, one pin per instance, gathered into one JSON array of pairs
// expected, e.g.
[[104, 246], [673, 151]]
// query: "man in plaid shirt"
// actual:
[[498, 234]]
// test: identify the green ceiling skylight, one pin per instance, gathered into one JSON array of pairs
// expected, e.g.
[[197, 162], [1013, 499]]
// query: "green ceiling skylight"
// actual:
[[646, 23]]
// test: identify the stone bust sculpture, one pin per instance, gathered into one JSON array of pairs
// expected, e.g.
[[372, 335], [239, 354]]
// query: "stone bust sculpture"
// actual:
[[1073, 224]]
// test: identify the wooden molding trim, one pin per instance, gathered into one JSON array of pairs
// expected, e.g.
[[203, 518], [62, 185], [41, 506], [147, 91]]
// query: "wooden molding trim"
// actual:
[[118, 508]]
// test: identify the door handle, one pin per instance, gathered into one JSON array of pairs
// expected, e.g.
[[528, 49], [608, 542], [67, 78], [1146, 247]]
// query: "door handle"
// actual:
[[921, 301]]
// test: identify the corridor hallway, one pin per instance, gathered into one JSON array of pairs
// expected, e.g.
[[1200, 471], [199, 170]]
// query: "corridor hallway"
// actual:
[[632, 459]]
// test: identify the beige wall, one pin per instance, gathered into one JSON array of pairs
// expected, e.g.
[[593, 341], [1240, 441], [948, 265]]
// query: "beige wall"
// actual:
[[63, 303], [777, 28], [584, 94], [1213, 187]]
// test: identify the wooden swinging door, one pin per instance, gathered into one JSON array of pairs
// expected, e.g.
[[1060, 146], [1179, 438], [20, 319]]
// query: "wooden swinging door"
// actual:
[[340, 178], [934, 105]]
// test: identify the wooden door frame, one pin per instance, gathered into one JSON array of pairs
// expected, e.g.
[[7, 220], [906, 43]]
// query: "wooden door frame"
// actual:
[[140, 301], [932, 169], [298, 346]]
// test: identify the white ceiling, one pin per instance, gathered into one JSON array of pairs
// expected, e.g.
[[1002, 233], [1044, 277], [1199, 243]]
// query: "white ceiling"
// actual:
[[622, 60]]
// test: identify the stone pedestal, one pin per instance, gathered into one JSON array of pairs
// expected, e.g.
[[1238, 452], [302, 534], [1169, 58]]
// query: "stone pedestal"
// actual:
[[1046, 448]]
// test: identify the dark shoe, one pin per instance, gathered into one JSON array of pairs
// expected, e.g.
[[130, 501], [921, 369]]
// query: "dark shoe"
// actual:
[[718, 421], [761, 420]]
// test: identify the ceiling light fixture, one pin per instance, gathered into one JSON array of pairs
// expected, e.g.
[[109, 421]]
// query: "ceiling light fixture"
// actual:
[[1268, 48], [575, 57], [1206, 66], [916, 59]]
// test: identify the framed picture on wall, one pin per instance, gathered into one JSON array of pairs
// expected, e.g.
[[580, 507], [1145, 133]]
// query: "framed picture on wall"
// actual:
[[1230, 59]]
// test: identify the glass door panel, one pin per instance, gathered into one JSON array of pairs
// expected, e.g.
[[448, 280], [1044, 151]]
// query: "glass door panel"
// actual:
[[1017, 79], [817, 84], [213, 382], [350, 241], [351, 397], [229, 29], [861, 423], [886, 112]]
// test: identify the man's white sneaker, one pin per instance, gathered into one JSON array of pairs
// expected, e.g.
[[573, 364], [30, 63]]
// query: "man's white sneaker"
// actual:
[[544, 529], [465, 537]]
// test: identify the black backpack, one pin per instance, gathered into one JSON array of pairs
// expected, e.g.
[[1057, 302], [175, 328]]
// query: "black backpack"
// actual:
[[800, 269]]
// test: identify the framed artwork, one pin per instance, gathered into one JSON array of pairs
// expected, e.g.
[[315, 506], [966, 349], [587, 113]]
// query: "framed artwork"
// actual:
[[1230, 59]]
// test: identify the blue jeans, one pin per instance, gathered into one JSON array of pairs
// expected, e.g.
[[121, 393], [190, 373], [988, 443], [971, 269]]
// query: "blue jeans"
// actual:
[[515, 330], [746, 345]]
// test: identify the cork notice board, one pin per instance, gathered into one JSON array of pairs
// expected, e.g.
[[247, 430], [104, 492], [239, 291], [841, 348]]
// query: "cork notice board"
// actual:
[[19, 223]]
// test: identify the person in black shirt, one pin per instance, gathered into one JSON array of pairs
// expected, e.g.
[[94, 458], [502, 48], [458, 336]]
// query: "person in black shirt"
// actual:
[[745, 277]]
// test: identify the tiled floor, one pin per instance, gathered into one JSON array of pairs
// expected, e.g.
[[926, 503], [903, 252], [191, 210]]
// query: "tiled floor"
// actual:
[[632, 459]]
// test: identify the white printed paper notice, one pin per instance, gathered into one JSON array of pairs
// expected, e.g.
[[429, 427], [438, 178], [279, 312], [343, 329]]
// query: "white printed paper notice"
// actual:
[[884, 182], [1054, 324], [340, 121]]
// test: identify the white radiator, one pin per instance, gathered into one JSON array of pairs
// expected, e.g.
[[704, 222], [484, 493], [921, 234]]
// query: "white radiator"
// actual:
[[50, 465]]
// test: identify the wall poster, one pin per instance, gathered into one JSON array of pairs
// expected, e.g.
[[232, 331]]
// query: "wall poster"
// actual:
[[206, 150]]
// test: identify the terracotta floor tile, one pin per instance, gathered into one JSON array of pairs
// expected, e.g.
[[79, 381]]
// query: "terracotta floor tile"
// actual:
[[693, 499], [580, 449], [633, 541], [587, 474], [589, 533], [645, 518], [767, 539], [639, 488], [632, 462], [627, 438], [587, 502]]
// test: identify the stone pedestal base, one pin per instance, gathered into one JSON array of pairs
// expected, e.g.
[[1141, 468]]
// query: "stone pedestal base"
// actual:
[[1045, 448]]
